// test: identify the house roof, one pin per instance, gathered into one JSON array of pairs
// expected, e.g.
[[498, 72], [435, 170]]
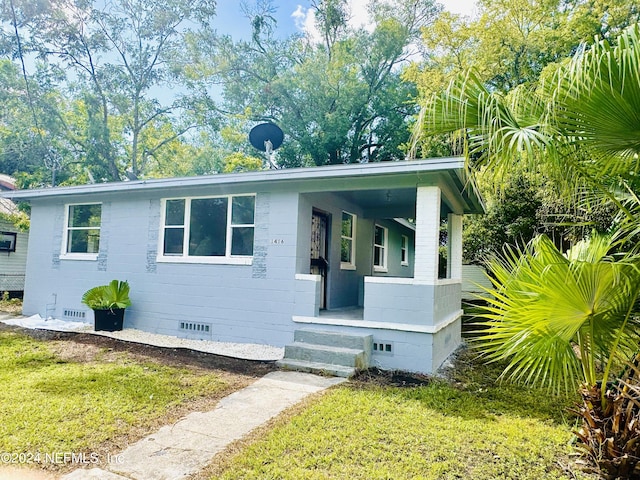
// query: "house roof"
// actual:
[[7, 183], [368, 179]]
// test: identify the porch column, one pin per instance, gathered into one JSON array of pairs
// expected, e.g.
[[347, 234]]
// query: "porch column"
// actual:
[[427, 234], [454, 250]]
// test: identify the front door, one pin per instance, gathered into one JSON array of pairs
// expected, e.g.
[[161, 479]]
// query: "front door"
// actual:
[[319, 249]]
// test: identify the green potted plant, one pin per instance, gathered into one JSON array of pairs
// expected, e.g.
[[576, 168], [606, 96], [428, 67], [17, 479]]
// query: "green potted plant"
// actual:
[[108, 303]]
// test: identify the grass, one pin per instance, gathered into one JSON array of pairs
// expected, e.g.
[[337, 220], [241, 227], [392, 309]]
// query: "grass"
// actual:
[[467, 428], [52, 404]]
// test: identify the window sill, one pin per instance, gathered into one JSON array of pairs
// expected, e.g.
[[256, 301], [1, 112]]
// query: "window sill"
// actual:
[[404, 264], [380, 269], [91, 257], [347, 266], [207, 260]]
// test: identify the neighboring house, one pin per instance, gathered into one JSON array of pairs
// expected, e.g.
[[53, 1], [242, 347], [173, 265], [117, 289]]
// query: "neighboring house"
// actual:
[[255, 257], [13, 244], [475, 282]]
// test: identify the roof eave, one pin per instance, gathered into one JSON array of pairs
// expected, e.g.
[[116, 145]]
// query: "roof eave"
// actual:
[[331, 172]]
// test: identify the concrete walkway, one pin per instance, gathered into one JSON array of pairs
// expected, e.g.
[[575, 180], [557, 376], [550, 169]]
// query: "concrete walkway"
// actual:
[[179, 450]]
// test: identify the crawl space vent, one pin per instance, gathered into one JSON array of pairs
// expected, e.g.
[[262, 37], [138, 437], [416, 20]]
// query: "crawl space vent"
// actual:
[[72, 314], [193, 327], [383, 347]]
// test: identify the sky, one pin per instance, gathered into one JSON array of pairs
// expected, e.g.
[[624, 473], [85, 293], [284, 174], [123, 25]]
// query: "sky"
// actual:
[[293, 15]]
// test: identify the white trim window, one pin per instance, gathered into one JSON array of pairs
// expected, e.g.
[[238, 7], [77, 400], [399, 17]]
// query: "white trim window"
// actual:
[[208, 229], [82, 231], [348, 241], [404, 251], [380, 250]]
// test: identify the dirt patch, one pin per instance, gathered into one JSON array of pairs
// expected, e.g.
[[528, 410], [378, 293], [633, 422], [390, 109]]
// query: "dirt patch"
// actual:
[[71, 351], [391, 378], [12, 306], [88, 347]]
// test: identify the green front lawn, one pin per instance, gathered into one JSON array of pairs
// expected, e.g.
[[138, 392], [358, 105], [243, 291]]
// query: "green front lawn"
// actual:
[[470, 428], [49, 404]]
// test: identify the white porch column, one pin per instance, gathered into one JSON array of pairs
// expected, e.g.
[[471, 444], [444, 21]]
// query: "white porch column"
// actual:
[[427, 234], [454, 253]]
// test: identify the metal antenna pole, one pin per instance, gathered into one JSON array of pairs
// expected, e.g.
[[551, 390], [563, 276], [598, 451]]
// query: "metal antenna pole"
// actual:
[[268, 147]]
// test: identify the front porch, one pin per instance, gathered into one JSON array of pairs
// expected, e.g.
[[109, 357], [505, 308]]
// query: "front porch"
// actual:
[[413, 320], [413, 326]]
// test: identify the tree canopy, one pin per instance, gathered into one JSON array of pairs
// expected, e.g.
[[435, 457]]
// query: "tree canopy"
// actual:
[[96, 91], [339, 98]]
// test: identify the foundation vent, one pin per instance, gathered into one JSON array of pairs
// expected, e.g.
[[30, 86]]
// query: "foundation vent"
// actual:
[[193, 327], [72, 314], [383, 347]]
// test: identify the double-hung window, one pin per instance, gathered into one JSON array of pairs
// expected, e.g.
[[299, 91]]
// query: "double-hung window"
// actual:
[[348, 242], [82, 231], [208, 229], [404, 251], [380, 240]]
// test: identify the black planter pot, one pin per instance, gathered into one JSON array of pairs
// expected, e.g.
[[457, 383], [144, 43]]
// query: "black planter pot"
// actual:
[[109, 320]]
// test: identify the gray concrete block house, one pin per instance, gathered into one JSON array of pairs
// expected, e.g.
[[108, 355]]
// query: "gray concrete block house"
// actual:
[[280, 257]]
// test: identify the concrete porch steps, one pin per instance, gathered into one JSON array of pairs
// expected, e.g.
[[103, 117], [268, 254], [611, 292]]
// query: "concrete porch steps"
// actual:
[[316, 367], [323, 352]]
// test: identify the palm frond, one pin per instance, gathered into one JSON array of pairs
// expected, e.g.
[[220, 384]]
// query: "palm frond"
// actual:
[[598, 103], [545, 304]]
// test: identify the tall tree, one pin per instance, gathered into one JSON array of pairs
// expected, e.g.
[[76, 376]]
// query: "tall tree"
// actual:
[[117, 54], [338, 100], [510, 42]]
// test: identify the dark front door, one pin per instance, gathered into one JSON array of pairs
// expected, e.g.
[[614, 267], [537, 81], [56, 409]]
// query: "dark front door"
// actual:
[[319, 249]]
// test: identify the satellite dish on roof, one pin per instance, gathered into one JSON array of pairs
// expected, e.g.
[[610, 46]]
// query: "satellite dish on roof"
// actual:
[[266, 137]]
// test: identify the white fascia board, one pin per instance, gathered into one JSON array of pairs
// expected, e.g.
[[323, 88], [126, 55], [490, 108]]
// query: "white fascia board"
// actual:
[[330, 172]]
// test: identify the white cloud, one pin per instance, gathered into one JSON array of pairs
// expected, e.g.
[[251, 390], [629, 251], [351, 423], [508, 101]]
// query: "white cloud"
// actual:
[[305, 20], [360, 17], [461, 7]]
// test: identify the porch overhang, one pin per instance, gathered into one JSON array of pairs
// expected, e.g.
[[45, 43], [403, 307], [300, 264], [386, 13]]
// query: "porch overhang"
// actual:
[[387, 188]]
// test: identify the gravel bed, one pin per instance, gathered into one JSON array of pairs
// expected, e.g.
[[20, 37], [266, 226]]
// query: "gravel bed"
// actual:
[[247, 351]]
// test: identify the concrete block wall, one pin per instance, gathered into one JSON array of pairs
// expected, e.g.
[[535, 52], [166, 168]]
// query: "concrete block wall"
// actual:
[[397, 301], [445, 342], [405, 301], [241, 303], [446, 301], [307, 295], [410, 351]]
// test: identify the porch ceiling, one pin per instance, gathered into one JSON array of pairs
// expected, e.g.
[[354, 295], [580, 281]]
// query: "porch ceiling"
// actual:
[[387, 203], [384, 203]]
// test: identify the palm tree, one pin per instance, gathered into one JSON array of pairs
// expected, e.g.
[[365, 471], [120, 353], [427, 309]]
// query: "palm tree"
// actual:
[[556, 319], [581, 122]]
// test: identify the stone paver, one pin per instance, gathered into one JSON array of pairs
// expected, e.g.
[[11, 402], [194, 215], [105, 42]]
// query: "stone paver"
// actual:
[[179, 450]]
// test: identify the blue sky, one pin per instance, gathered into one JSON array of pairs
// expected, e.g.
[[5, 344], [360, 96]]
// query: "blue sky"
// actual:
[[229, 18]]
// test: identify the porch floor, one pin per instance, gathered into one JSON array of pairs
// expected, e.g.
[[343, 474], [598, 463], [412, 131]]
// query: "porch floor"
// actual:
[[347, 313]]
